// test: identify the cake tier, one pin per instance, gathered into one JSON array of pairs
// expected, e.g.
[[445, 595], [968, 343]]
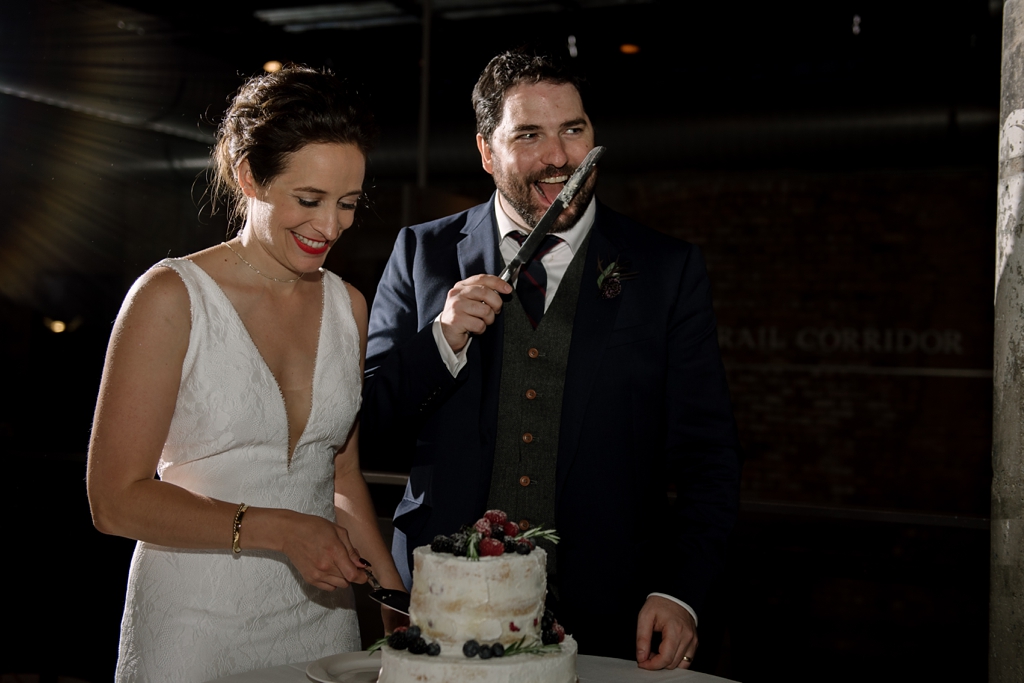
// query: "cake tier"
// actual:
[[398, 666], [490, 600]]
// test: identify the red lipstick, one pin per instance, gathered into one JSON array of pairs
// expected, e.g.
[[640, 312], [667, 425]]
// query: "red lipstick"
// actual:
[[311, 250]]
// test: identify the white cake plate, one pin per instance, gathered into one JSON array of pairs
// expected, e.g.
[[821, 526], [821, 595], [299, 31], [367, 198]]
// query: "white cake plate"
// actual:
[[348, 667]]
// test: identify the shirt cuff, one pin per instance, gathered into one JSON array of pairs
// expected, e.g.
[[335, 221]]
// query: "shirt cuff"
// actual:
[[677, 601], [453, 361]]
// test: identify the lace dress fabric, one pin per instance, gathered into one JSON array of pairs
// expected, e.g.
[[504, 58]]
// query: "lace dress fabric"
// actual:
[[196, 615]]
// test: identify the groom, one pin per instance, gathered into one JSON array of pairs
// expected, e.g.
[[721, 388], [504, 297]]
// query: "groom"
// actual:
[[575, 402]]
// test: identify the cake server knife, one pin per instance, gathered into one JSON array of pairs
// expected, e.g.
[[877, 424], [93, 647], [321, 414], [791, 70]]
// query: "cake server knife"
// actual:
[[393, 599], [572, 186]]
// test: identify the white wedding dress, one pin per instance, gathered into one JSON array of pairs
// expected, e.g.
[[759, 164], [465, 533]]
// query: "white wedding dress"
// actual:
[[195, 615]]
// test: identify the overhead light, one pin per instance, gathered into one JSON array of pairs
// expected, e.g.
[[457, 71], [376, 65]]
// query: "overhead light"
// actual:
[[58, 326], [595, 4], [503, 10], [629, 49], [345, 10], [273, 66], [346, 15], [369, 22]]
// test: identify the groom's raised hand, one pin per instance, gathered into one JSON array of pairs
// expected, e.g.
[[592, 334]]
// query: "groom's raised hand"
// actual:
[[470, 307], [678, 635]]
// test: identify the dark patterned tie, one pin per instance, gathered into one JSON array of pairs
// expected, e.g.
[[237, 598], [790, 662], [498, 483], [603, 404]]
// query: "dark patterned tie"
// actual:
[[532, 285]]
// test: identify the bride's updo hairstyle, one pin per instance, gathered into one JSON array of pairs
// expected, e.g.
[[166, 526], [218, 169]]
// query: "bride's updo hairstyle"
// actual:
[[277, 114]]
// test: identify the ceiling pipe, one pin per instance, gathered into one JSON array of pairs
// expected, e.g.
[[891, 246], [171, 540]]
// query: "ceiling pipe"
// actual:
[[172, 117], [680, 143]]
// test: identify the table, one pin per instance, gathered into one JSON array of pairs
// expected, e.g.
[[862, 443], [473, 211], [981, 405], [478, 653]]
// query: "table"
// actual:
[[590, 669]]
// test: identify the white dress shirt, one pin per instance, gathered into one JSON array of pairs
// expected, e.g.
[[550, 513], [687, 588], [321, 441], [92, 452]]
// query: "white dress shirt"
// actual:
[[555, 262]]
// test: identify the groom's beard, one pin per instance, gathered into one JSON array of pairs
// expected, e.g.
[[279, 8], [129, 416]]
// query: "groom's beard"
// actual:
[[522, 195]]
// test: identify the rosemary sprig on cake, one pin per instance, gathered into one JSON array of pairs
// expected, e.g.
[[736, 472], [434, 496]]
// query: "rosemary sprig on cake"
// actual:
[[521, 647], [535, 647], [492, 535]]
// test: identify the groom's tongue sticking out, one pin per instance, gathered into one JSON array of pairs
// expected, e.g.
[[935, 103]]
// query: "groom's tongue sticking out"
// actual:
[[549, 187]]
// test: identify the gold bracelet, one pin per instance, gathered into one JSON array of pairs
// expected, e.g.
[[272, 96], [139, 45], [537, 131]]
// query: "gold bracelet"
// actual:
[[236, 528]]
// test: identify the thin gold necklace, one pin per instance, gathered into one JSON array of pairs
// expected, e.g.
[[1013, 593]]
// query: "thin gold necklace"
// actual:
[[258, 270]]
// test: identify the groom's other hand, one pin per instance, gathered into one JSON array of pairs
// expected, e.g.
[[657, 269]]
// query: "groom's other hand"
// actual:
[[678, 635], [470, 307]]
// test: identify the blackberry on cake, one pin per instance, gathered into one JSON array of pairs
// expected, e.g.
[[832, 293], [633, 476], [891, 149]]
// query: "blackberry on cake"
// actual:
[[442, 544]]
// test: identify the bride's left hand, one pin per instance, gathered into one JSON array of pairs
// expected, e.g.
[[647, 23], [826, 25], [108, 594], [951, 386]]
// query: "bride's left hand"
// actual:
[[322, 552]]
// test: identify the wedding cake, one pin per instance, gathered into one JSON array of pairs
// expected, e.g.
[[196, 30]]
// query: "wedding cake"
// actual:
[[477, 612]]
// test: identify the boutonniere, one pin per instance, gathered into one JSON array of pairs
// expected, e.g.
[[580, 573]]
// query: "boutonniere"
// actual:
[[609, 282]]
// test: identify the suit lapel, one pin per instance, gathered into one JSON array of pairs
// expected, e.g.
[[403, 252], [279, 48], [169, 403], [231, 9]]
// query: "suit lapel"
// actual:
[[478, 250], [594, 321], [478, 253]]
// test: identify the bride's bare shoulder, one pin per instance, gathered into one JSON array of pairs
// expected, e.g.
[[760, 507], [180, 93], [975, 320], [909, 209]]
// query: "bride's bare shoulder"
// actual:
[[213, 260], [158, 297]]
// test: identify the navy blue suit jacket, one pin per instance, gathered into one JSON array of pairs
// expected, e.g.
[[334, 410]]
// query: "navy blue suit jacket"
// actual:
[[645, 405]]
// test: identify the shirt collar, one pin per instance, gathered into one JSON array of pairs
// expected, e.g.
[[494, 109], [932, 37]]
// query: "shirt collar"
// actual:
[[574, 237]]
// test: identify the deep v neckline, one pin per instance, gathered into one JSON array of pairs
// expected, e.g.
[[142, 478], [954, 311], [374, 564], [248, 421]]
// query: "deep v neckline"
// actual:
[[266, 366]]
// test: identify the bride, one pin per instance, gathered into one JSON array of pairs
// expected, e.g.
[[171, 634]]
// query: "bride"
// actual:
[[234, 374]]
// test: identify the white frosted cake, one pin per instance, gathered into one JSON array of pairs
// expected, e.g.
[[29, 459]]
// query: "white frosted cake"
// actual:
[[398, 666], [490, 600]]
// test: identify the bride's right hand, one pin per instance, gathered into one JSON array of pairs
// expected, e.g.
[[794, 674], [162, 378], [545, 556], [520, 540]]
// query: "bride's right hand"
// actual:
[[322, 552]]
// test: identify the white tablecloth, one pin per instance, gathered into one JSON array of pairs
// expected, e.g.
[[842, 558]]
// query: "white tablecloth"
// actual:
[[590, 670]]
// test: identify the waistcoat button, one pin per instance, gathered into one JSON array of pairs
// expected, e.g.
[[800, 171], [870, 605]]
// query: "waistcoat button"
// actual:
[[533, 353], [524, 480], [524, 524], [527, 437], [531, 394]]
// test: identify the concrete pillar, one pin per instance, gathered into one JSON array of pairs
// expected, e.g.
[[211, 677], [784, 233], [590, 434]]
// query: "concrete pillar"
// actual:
[[1006, 602]]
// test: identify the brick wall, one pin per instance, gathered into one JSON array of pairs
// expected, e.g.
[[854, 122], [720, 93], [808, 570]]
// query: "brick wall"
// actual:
[[855, 314]]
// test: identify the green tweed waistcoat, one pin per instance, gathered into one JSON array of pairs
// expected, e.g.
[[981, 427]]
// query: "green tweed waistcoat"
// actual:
[[530, 407]]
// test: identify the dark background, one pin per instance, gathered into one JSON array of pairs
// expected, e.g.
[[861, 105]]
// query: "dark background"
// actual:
[[841, 184]]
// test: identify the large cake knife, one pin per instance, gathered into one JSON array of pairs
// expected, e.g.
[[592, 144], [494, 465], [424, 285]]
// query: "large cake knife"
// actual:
[[396, 600], [572, 186]]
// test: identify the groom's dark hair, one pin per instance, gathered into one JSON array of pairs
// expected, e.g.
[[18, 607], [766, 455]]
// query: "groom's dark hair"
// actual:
[[506, 71]]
